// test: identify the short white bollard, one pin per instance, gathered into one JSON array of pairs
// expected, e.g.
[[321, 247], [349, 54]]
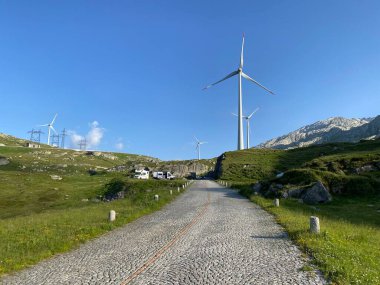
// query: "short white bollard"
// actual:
[[276, 202], [112, 216], [178, 189], [171, 192], [156, 197], [183, 186], [314, 225]]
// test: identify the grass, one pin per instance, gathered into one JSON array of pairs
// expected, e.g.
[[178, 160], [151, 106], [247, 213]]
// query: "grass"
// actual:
[[40, 217], [347, 250], [27, 239]]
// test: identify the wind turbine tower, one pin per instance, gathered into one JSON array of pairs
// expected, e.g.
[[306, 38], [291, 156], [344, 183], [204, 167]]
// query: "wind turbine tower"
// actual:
[[50, 127], [240, 73], [198, 147], [247, 118]]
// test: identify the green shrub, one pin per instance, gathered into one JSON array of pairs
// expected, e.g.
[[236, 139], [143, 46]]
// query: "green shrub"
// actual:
[[115, 186]]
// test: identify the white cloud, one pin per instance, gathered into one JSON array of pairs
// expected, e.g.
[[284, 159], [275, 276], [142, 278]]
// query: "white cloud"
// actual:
[[93, 137], [119, 146]]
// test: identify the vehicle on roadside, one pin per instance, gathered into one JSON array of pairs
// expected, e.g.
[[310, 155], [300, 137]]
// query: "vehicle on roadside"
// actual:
[[141, 174], [163, 175]]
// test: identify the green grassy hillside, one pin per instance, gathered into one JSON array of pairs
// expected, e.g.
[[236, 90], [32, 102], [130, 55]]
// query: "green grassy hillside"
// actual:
[[344, 165], [347, 250], [51, 199]]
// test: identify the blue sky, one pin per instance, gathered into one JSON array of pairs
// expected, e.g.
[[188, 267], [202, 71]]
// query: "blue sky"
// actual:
[[132, 72]]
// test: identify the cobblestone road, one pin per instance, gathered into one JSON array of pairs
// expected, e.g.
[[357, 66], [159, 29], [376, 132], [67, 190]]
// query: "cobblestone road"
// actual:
[[209, 235]]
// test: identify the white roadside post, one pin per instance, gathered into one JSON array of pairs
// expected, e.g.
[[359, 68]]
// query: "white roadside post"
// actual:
[[314, 225], [178, 189], [112, 216], [276, 202], [156, 197], [183, 186], [171, 192]]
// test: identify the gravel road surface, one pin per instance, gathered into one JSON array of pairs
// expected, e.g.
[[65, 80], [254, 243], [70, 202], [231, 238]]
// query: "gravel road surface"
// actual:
[[208, 235]]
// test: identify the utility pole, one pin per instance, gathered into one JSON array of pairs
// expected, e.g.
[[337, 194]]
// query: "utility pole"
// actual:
[[63, 135], [35, 136], [83, 144]]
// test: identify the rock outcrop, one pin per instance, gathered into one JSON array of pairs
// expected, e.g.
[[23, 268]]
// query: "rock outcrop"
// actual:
[[316, 194], [336, 129], [3, 161]]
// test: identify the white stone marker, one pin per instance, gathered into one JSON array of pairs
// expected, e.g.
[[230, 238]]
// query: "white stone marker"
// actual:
[[314, 225], [171, 192], [276, 202], [178, 189], [183, 186], [156, 197], [112, 216]]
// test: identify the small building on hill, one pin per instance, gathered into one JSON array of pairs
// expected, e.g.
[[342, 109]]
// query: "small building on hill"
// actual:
[[32, 145]]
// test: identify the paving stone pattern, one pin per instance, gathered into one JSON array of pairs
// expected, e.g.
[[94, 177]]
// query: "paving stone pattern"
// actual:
[[211, 235]]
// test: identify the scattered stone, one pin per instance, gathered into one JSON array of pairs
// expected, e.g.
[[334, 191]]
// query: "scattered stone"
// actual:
[[55, 177], [84, 200], [316, 194], [156, 197], [280, 175], [274, 190], [3, 161], [365, 168], [256, 188], [295, 193]]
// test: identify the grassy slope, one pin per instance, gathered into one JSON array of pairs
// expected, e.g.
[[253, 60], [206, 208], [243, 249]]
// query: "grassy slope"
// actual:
[[40, 217], [347, 251]]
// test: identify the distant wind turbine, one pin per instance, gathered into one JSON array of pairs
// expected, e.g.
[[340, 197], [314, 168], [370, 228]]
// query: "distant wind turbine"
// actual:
[[198, 147], [247, 118], [241, 74], [50, 127]]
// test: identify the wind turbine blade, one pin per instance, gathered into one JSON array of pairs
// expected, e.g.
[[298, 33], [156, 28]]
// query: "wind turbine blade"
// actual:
[[252, 113], [52, 122], [228, 76], [254, 81], [43, 125], [242, 53], [53, 129], [202, 142], [234, 114], [196, 139]]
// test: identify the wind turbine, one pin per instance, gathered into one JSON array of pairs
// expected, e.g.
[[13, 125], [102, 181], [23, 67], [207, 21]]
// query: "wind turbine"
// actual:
[[247, 118], [240, 74], [198, 147], [50, 127]]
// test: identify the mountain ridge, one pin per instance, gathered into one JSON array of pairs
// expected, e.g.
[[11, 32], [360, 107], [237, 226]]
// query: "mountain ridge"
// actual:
[[333, 129]]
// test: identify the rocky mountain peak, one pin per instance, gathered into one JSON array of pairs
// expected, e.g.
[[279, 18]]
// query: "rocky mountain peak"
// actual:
[[334, 129]]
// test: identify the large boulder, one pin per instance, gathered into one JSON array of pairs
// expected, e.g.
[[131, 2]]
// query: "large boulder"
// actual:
[[257, 187], [3, 161], [316, 194], [275, 190]]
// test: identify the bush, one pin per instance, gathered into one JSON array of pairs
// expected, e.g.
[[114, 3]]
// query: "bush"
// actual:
[[359, 185], [115, 186]]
